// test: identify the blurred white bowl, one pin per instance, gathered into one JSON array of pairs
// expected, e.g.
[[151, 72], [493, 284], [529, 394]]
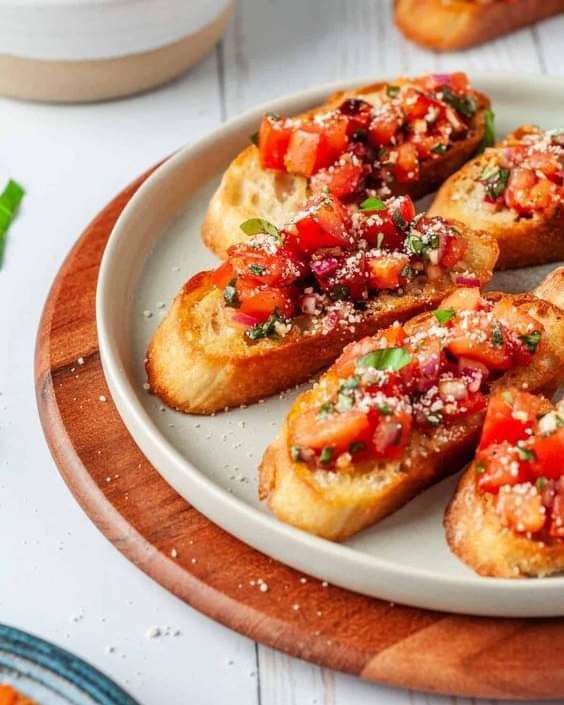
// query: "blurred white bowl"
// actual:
[[83, 50]]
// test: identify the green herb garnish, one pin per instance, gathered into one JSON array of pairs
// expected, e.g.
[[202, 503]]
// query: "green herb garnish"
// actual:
[[497, 337], [443, 315], [10, 200], [531, 341], [259, 226], [350, 383], [465, 105], [392, 91], [372, 204], [326, 455], [257, 269], [495, 181], [489, 131], [356, 446], [415, 243], [399, 221], [296, 453], [541, 483], [388, 359], [344, 402], [230, 295], [339, 292], [266, 329], [480, 467], [525, 453], [324, 410], [384, 409], [440, 148]]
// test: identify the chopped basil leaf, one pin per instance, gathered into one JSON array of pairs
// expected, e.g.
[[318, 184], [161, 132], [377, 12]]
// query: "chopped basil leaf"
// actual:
[[541, 483], [326, 455], [440, 148], [495, 180], [339, 292], [257, 269], [408, 272], [525, 453], [266, 329], [259, 226], [531, 341], [480, 467], [325, 409], [372, 204], [465, 105], [344, 402], [230, 295], [392, 91], [399, 221], [254, 138], [559, 421], [393, 359], [507, 397], [384, 409], [489, 131], [356, 446], [415, 243], [497, 337], [10, 200], [350, 383], [296, 453], [443, 315]]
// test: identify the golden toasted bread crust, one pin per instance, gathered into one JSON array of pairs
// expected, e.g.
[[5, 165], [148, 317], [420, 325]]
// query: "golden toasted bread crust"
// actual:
[[522, 241], [248, 191], [447, 25], [199, 362], [337, 505]]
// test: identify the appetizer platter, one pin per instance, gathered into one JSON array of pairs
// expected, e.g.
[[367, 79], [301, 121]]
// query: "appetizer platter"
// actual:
[[384, 423]]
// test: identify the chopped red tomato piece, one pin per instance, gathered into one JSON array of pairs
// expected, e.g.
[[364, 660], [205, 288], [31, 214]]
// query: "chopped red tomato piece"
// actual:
[[453, 250], [520, 508], [223, 275], [549, 452], [392, 337], [511, 416], [392, 435], [302, 154], [260, 302], [358, 114], [406, 167], [274, 138], [280, 268], [331, 430], [557, 516], [341, 180], [498, 465], [385, 271], [465, 299], [467, 344], [384, 126], [323, 223]]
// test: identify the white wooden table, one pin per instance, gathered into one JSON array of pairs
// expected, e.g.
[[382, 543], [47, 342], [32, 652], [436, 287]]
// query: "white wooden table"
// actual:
[[59, 577]]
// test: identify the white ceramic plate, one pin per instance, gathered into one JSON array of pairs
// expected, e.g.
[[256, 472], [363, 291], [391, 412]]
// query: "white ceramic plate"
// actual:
[[212, 461]]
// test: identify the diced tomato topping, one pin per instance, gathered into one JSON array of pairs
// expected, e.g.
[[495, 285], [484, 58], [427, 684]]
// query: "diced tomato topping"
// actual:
[[260, 302], [392, 337], [521, 509], [314, 430], [549, 452], [406, 167], [340, 180], [385, 271], [385, 125], [358, 114], [511, 416], [223, 275], [416, 105], [324, 224], [302, 154], [379, 227], [274, 138], [453, 251], [557, 516], [256, 264], [392, 435], [494, 357], [499, 465]]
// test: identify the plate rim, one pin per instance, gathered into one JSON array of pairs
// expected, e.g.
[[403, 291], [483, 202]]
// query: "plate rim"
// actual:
[[205, 494]]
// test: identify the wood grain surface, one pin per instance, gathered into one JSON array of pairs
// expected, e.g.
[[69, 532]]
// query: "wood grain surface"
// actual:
[[222, 577]]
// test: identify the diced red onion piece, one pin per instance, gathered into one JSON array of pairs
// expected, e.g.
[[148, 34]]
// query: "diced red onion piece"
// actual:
[[467, 280], [245, 319], [309, 304], [325, 266], [474, 372], [386, 435]]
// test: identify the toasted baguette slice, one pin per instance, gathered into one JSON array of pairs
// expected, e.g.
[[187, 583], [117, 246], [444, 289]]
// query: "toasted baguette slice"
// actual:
[[523, 241], [474, 531], [199, 362], [248, 191], [338, 504], [447, 25]]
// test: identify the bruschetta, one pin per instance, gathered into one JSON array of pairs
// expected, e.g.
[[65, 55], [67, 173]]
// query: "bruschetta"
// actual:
[[515, 192], [403, 409], [447, 25], [382, 140], [287, 300]]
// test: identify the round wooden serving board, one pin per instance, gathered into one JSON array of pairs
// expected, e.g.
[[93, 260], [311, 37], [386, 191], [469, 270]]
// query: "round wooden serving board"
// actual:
[[217, 574]]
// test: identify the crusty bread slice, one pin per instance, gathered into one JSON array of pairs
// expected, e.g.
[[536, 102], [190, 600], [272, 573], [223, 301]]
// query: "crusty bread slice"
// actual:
[[522, 241], [473, 528], [336, 505], [248, 191], [199, 362], [447, 25]]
